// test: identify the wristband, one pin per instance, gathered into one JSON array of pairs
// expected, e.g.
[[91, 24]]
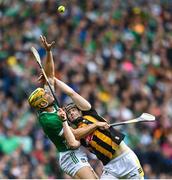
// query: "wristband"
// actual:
[[64, 120]]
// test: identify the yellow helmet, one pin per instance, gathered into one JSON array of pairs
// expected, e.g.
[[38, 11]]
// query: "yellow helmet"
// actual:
[[36, 98]]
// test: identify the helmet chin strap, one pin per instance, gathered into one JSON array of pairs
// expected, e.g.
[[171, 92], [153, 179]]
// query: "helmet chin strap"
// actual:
[[77, 120]]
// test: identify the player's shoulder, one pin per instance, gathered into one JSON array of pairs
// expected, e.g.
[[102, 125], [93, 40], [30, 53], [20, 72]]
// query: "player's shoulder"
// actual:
[[49, 117], [91, 111]]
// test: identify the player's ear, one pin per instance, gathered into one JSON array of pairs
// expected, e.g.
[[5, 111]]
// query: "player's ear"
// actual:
[[43, 104]]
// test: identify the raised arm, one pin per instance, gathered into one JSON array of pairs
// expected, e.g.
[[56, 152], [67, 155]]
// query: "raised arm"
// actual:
[[80, 102], [67, 132], [49, 63]]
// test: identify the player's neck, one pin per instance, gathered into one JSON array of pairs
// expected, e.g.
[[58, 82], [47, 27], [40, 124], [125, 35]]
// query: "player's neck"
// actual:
[[49, 109]]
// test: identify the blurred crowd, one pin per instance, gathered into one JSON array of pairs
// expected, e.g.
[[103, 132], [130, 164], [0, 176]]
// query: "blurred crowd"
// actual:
[[115, 53]]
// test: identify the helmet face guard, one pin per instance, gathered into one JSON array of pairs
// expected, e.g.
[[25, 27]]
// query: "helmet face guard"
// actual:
[[36, 98], [69, 107]]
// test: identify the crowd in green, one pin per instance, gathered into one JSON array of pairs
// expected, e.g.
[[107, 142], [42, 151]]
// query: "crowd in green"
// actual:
[[116, 54]]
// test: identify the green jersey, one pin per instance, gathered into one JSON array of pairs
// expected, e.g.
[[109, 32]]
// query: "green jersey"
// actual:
[[53, 128]]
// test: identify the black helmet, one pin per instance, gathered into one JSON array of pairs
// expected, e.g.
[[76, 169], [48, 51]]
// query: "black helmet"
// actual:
[[67, 108], [70, 106]]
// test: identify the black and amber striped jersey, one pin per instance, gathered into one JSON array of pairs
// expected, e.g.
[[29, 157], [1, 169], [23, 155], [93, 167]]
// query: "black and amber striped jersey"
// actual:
[[103, 143]]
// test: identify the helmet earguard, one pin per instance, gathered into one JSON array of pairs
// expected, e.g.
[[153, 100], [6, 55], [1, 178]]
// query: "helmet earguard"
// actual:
[[36, 98]]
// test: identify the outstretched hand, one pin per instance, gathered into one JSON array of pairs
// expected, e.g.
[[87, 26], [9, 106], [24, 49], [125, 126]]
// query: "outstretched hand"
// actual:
[[102, 125], [46, 45]]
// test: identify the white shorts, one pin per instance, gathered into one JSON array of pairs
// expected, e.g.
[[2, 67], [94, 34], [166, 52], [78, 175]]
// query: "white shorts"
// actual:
[[73, 160], [126, 166]]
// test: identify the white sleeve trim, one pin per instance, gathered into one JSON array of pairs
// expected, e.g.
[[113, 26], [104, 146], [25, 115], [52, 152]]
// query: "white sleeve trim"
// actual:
[[61, 133]]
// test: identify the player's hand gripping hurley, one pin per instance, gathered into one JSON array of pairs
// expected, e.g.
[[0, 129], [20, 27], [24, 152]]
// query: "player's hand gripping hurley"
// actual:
[[38, 59], [145, 117]]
